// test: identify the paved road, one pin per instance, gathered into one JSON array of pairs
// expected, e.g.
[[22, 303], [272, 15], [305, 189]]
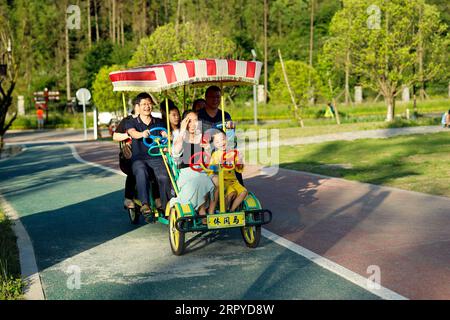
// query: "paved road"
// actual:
[[356, 225], [72, 213]]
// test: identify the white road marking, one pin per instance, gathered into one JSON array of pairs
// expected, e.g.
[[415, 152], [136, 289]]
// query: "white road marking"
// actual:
[[341, 271]]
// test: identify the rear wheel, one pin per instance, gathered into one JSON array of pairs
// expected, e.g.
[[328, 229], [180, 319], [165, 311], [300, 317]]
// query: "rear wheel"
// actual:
[[176, 237]]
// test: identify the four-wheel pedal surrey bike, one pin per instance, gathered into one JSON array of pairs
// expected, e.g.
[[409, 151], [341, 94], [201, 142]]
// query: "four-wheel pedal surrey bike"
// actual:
[[183, 219]]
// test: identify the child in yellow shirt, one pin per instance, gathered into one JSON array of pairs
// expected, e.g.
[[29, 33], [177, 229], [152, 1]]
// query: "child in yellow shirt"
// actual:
[[235, 193]]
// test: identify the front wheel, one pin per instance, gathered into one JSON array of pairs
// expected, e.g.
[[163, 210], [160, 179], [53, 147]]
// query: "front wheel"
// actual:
[[251, 235], [176, 237]]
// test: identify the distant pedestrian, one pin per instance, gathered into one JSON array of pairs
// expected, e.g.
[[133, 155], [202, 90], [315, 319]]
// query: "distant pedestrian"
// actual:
[[40, 118], [329, 112]]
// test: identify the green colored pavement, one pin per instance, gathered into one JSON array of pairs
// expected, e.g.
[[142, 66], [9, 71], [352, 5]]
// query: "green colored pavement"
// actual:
[[72, 212]]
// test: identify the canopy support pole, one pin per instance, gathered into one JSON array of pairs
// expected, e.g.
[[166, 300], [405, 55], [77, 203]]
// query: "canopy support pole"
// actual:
[[221, 177], [168, 126], [184, 98], [222, 98], [125, 113]]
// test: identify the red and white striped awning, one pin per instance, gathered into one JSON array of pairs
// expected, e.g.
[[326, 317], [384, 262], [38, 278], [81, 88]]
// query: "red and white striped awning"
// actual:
[[157, 78]]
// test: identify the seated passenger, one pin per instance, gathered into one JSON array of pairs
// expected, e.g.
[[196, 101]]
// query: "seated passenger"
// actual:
[[174, 118], [211, 115], [235, 192], [198, 105], [120, 135], [194, 187], [138, 128]]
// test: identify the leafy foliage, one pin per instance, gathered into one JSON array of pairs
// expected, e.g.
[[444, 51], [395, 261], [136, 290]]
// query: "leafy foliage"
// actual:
[[384, 52], [298, 74], [104, 97], [187, 41]]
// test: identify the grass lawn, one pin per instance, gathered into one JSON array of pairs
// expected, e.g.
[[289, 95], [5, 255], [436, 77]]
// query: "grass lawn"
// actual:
[[11, 285], [417, 162], [274, 110], [287, 130]]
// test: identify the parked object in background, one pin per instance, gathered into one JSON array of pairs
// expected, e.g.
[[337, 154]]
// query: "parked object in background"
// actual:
[[105, 118], [405, 94], [21, 105], [446, 119], [358, 94]]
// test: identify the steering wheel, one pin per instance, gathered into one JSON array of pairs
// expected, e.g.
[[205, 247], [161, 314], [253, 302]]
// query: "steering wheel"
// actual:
[[158, 141], [206, 167], [225, 156], [201, 165]]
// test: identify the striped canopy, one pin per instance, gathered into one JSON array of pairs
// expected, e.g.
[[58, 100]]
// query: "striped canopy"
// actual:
[[157, 78]]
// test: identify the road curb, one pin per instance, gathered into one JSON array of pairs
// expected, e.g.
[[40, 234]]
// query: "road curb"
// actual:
[[28, 265]]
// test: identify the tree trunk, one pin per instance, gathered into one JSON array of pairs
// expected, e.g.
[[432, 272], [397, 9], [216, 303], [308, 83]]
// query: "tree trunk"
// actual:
[[390, 103], [69, 96], [110, 20], [114, 21], [166, 14], [311, 39], [420, 58], [291, 93], [177, 17], [144, 18], [122, 31], [347, 79], [89, 23], [338, 119], [97, 31]]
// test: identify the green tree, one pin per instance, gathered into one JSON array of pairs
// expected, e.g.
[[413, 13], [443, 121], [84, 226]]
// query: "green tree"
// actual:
[[8, 78], [188, 42], [297, 73], [383, 37], [102, 91], [103, 53]]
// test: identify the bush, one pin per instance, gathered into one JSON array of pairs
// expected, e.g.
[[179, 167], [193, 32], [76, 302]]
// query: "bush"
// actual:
[[55, 121], [11, 284]]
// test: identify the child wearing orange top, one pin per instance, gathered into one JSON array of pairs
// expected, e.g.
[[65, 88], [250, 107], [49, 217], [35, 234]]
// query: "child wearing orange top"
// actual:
[[235, 193]]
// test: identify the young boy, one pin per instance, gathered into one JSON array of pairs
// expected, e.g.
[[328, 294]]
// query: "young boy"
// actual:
[[235, 193]]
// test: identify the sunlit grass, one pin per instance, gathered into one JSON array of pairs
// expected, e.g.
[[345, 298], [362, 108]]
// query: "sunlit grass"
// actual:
[[377, 110]]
